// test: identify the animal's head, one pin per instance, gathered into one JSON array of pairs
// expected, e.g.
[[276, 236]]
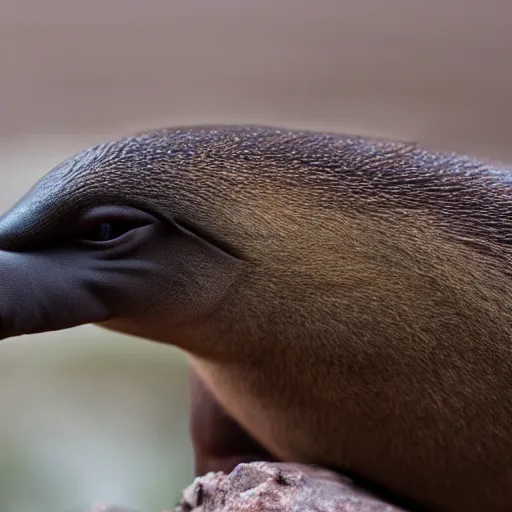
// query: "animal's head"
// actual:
[[124, 234]]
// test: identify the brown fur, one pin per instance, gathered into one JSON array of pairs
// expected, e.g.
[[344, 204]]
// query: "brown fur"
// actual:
[[371, 326]]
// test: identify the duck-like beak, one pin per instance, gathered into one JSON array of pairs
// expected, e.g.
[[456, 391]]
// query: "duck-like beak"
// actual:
[[42, 289]]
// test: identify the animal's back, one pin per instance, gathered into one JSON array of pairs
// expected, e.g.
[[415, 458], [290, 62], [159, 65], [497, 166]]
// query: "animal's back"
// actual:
[[395, 358]]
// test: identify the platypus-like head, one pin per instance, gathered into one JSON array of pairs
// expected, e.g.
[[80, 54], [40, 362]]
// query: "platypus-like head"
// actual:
[[118, 234]]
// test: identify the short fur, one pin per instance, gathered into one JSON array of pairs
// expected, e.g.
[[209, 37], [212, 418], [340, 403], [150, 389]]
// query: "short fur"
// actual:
[[370, 328]]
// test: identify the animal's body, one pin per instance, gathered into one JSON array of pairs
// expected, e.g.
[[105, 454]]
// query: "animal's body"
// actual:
[[346, 300]]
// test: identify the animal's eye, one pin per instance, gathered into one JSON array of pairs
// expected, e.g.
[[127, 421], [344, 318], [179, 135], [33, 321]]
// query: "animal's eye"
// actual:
[[107, 230], [104, 224]]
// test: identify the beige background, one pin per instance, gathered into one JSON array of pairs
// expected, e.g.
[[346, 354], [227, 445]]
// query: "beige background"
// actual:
[[89, 416]]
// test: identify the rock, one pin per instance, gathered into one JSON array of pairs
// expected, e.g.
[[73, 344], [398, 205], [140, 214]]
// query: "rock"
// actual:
[[276, 487]]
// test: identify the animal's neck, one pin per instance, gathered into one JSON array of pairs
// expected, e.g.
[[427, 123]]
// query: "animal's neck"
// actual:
[[400, 283]]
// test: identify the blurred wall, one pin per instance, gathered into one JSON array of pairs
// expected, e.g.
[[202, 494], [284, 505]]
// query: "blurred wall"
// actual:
[[87, 415], [435, 71]]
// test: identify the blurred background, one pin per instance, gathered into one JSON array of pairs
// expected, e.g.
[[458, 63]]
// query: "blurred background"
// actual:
[[87, 416]]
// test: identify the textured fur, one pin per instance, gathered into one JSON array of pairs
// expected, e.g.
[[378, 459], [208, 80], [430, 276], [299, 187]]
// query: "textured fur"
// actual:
[[371, 326]]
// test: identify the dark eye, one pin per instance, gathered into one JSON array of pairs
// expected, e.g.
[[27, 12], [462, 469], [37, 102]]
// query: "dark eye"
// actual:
[[108, 230], [105, 224]]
